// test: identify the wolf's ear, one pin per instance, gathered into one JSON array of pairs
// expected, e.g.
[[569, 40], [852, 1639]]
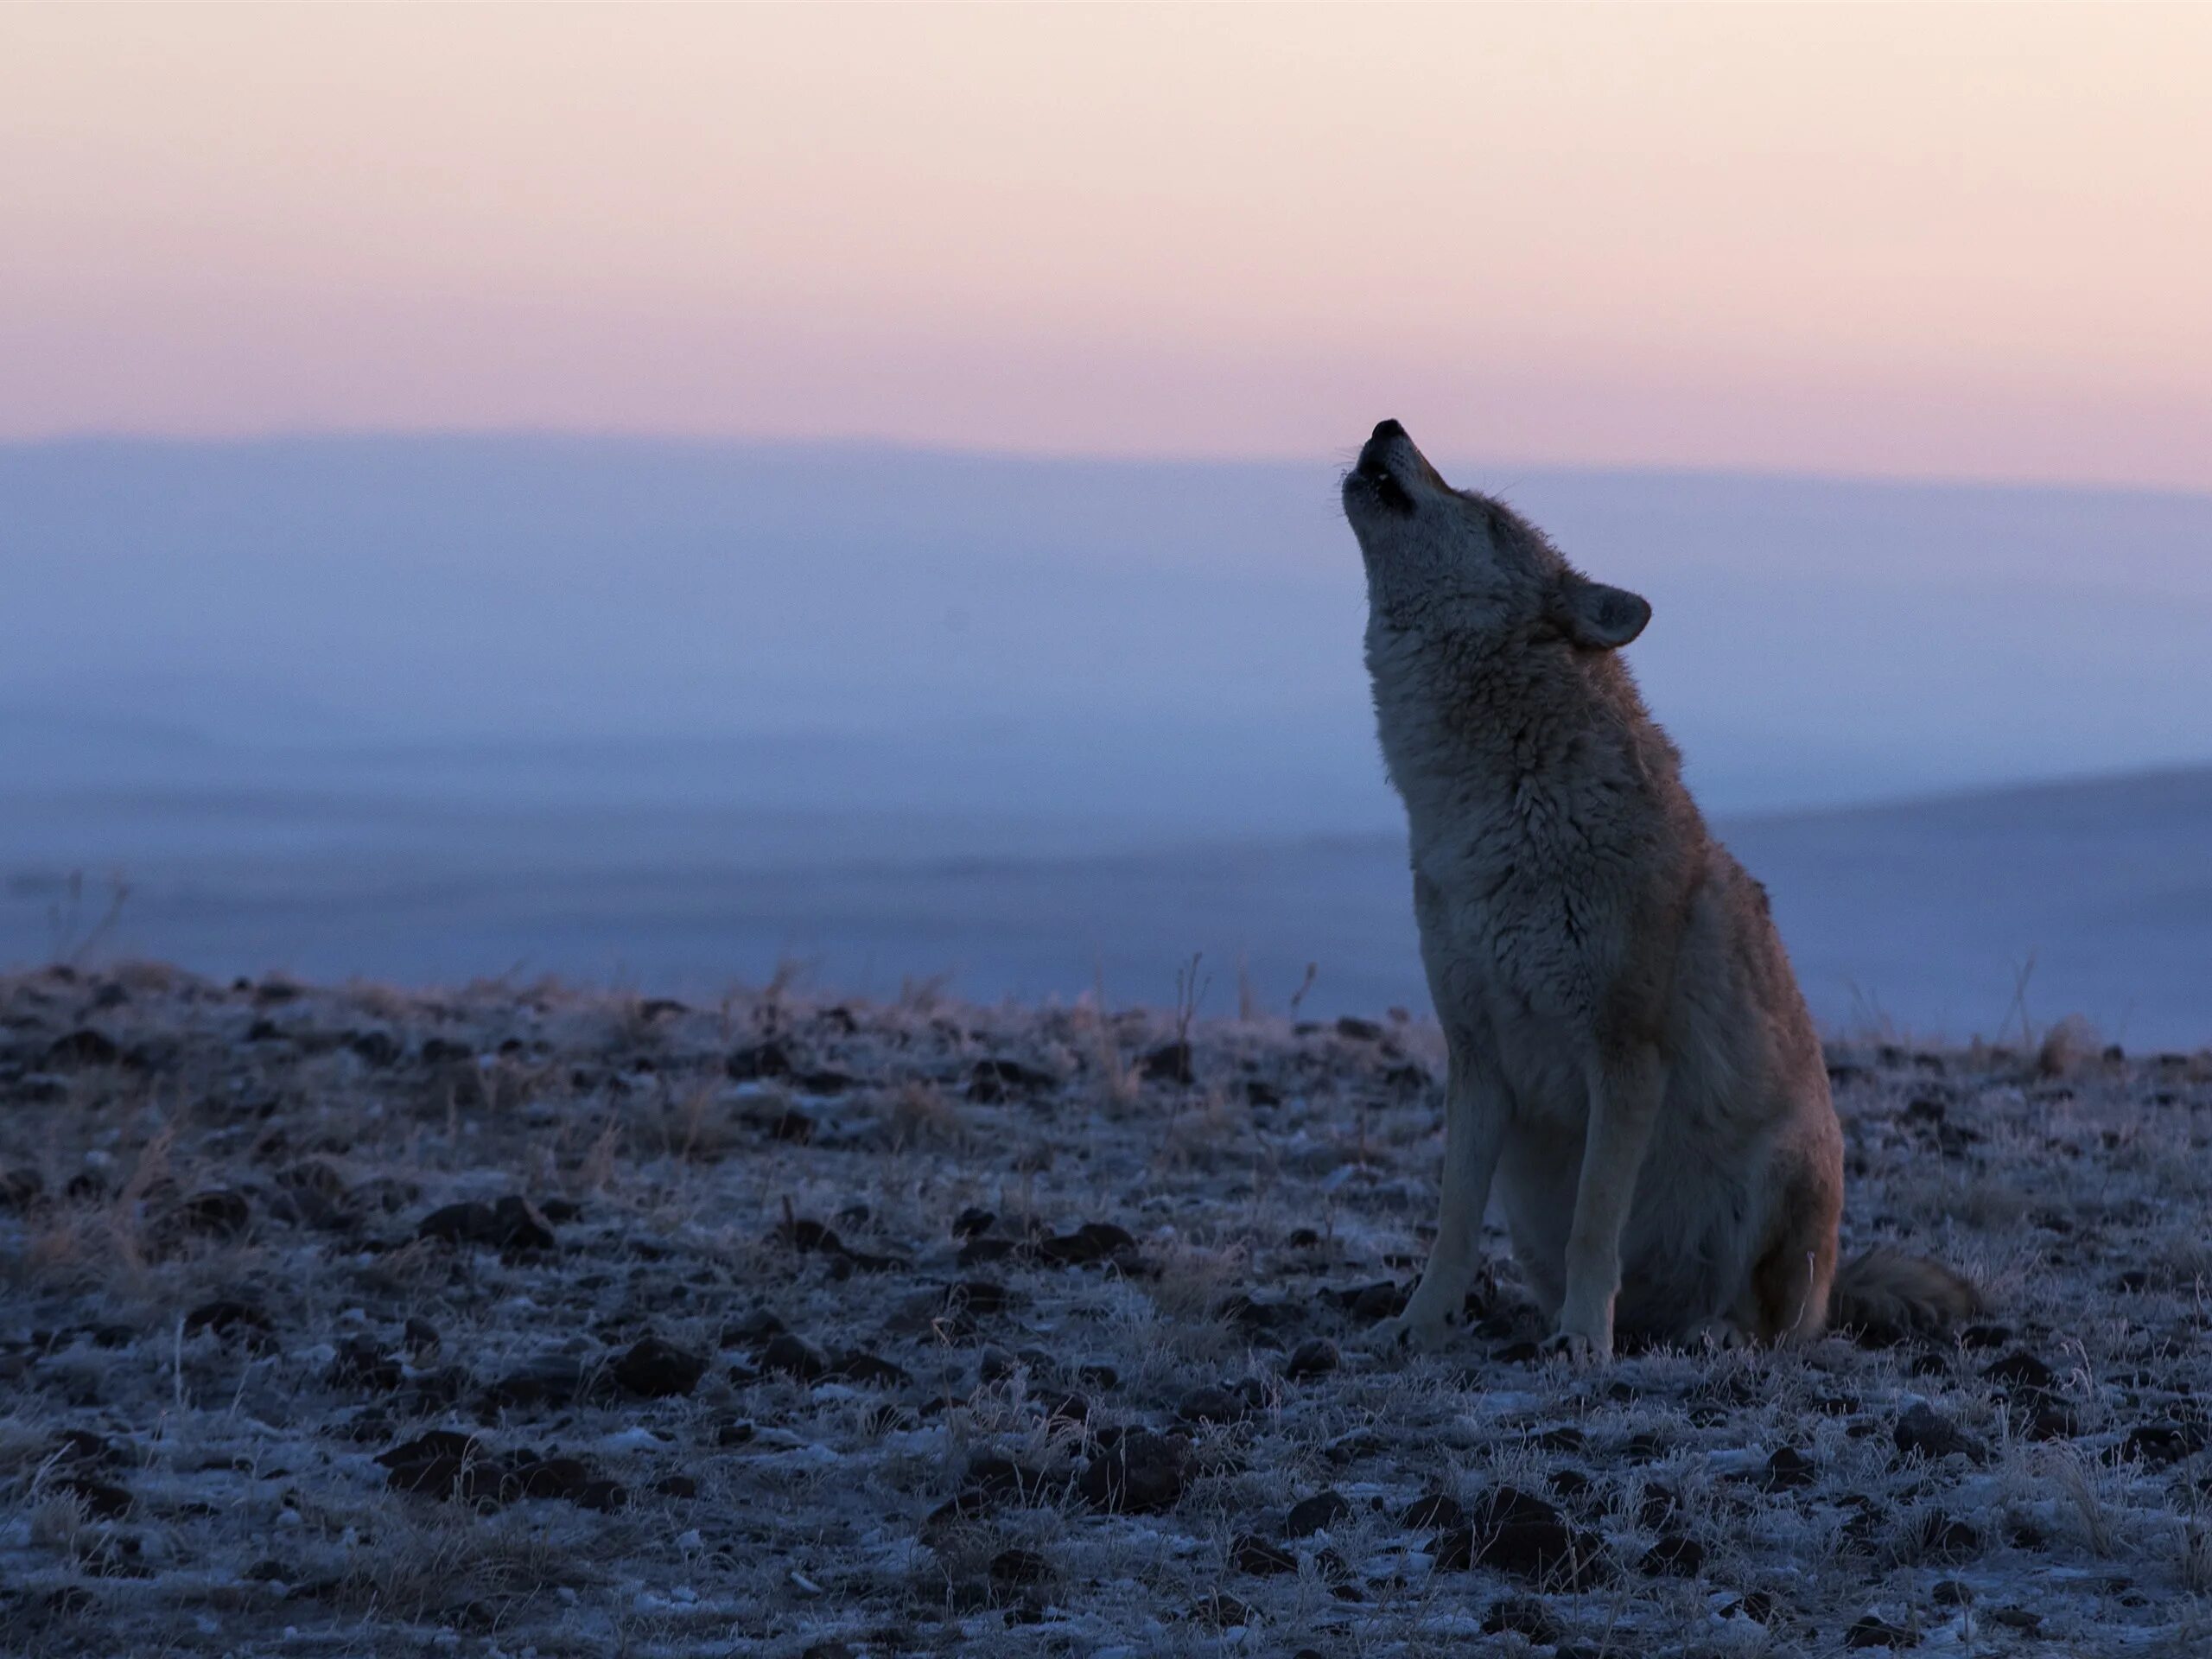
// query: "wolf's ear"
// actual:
[[1599, 617]]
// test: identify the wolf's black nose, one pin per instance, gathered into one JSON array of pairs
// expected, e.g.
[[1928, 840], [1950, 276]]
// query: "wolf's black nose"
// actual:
[[1386, 431]]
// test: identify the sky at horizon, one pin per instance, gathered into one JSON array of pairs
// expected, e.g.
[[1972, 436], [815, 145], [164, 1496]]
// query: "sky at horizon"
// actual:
[[1935, 241]]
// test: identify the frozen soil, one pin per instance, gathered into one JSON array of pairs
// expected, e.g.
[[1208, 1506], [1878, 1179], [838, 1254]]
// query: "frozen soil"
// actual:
[[531, 1319]]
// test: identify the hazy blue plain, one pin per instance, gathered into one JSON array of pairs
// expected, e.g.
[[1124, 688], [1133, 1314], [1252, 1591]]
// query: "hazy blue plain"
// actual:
[[668, 713]]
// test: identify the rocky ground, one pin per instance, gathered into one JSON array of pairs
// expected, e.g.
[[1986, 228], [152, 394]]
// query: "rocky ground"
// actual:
[[521, 1320]]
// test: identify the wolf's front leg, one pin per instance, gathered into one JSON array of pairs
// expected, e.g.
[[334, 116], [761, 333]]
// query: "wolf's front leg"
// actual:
[[1625, 1091], [1474, 1134]]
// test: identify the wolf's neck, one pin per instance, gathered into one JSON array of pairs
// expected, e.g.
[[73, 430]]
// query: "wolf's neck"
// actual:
[[1476, 734]]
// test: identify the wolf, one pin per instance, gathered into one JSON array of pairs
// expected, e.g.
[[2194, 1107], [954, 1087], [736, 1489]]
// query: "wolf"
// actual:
[[1632, 1066]]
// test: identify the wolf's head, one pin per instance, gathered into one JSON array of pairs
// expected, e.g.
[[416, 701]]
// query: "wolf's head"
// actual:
[[1453, 563]]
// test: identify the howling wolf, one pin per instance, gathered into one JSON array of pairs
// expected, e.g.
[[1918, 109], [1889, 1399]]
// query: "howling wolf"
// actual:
[[1632, 1065]]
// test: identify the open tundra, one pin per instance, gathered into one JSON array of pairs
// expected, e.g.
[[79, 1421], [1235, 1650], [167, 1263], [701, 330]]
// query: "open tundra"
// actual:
[[514, 1318], [1631, 1062]]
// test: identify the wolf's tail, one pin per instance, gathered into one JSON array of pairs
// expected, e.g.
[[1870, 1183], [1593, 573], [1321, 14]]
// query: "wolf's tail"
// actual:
[[1886, 1294]]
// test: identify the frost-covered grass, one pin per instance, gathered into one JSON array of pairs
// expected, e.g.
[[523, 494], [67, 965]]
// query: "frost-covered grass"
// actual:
[[218, 1310]]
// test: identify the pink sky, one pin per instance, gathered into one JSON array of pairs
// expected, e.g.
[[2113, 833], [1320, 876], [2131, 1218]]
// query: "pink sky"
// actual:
[[1919, 239]]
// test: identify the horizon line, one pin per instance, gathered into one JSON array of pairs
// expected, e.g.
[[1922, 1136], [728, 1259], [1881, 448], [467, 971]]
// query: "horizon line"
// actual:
[[275, 438]]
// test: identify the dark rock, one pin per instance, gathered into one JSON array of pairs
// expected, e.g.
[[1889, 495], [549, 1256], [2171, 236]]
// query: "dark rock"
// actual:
[[84, 1046], [1256, 1318], [1020, 1566], [513, 1223], [21, 1188], [1249, 1553], [230, 1320], [80, 1449], [658, 1370], [1925, 1432], [793, 1127], [1070, 1408], [1513, 1531], [973, 1222], [1213, 1404], [530, 1476], [981, 1297], [1433, 1512], [1368, 1303], [1570, 1484], [361, 1364], [520, 1226], [378, 1048], [990, 1479], [1222, 1612], [1142, 1473], [866, 1368], [466, 1222], [1319, 1512], [1873, 1631], [312, 1194], [1094, 1241], [1756, 1605], [1786, 1470], [2021, 1369], [1169, 1062], [1675, 1555], [100, 1499], [444, 1464], [421, 1337], [762, 1061], [1315, 1357], [1945, 1538], [794, 1356], [216, 1213], [995, 1080], [1524, 1615], [87, 1186], [553, 1380], [2163, 1443], [810, 1237]]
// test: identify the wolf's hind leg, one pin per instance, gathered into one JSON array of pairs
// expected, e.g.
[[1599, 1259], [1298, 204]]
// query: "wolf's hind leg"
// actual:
[[1474, 1135], [1792, 1278]]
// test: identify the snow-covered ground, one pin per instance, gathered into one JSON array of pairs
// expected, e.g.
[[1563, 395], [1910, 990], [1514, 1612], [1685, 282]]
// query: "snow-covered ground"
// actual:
[[513, 1319]]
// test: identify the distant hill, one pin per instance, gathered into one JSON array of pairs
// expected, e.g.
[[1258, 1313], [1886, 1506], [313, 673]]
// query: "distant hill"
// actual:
[[1917, 917], [1171, 645]]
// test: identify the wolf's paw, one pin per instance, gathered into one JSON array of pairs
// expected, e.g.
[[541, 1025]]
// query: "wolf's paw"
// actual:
[[1409, 1332], [1578, 1347]]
